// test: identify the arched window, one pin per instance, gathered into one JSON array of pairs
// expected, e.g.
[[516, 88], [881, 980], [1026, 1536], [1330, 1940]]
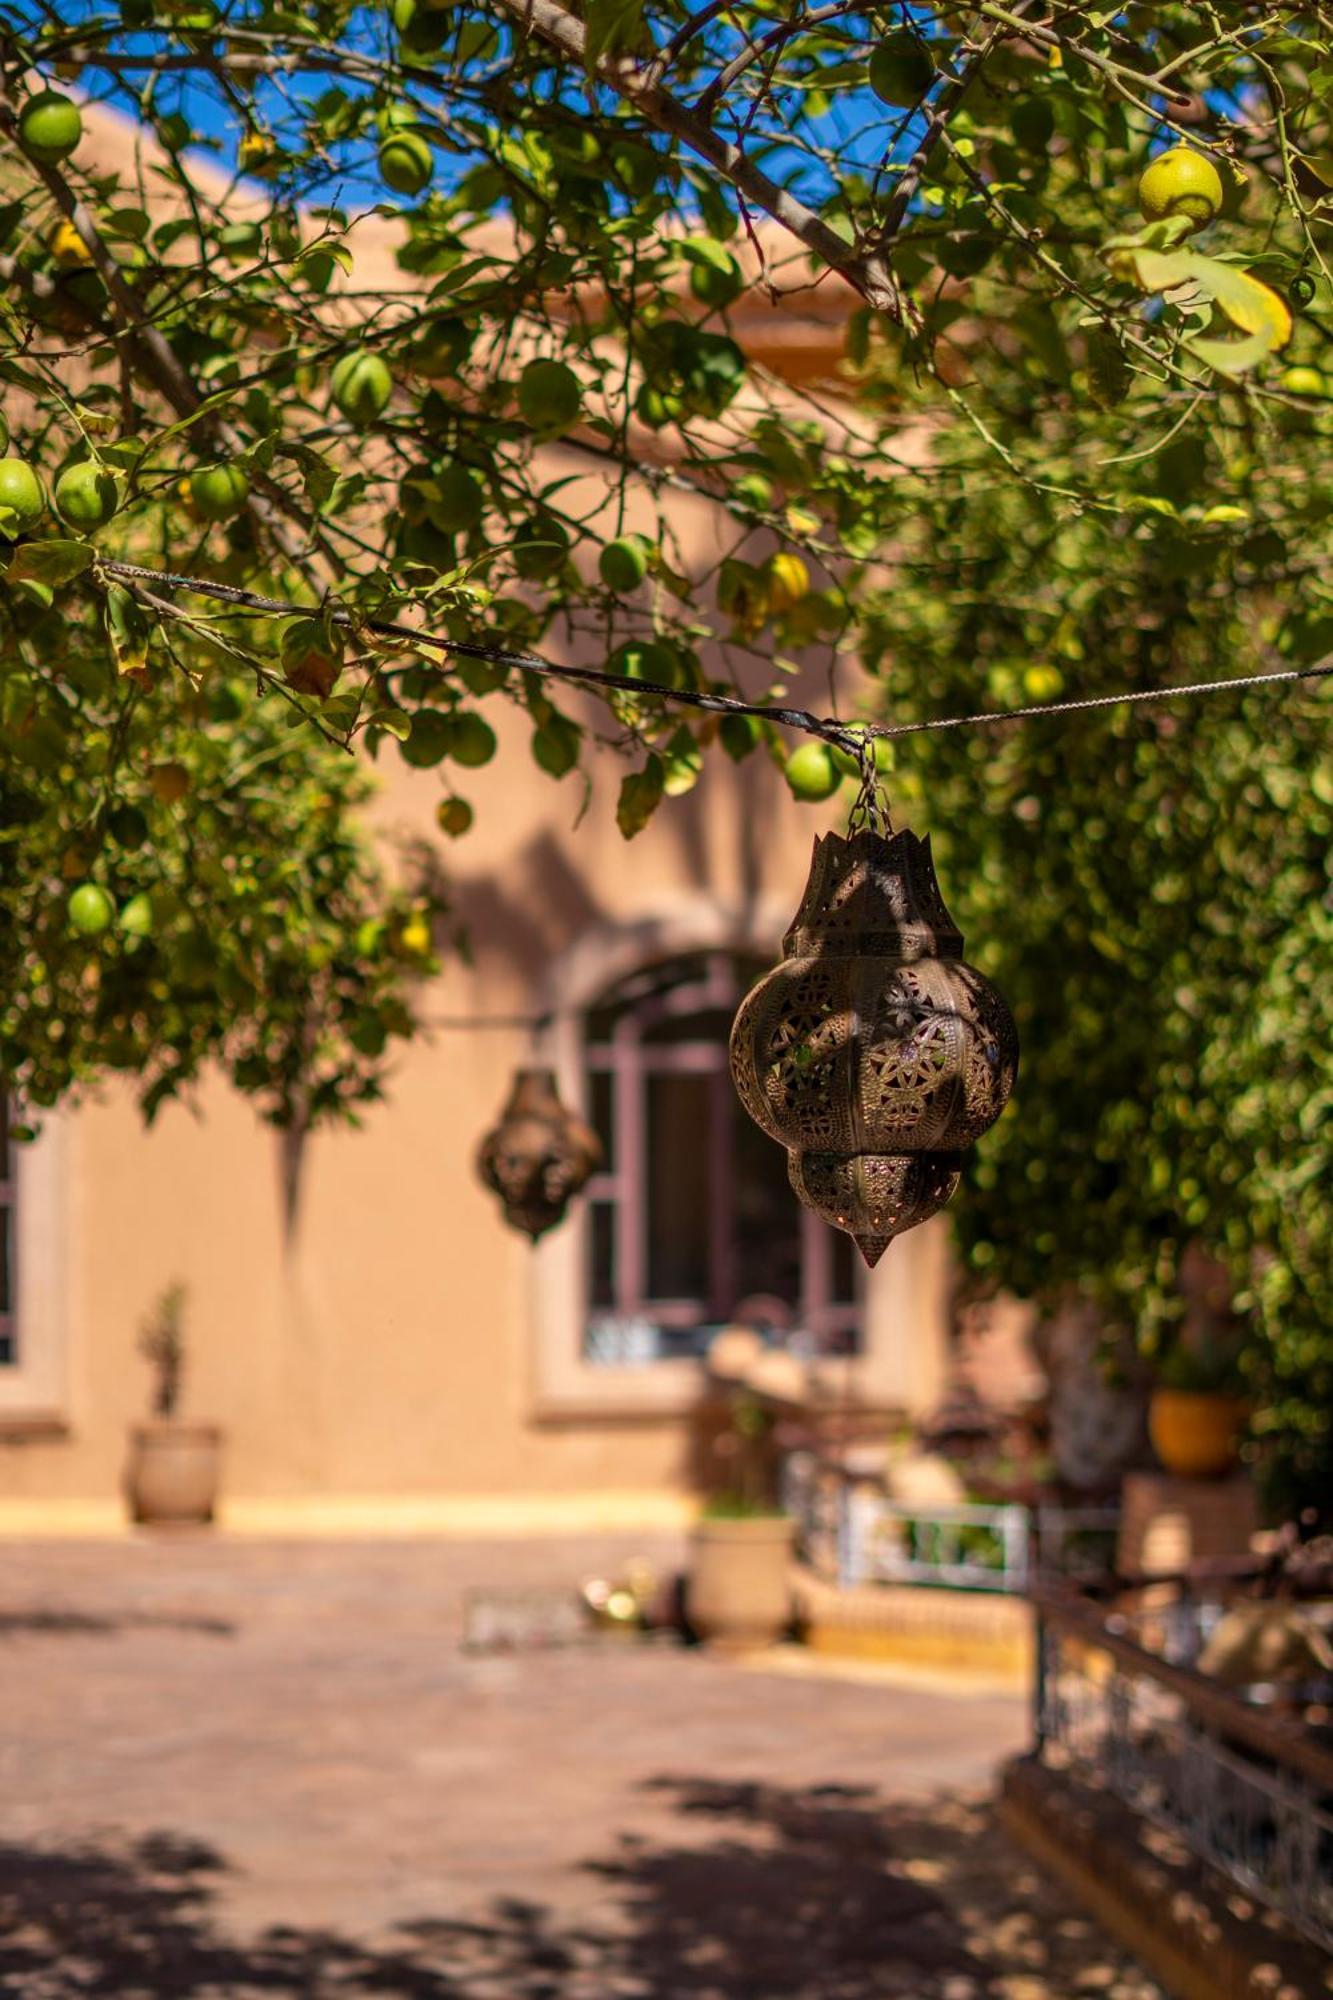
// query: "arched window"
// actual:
[[692, 1224]]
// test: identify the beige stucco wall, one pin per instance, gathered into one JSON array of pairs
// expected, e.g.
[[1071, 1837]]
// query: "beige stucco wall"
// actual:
[[398, 1345], [390, 1343]]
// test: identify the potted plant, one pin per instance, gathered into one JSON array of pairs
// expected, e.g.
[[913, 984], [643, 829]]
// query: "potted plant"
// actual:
[[1198, 1407], [738, 1589], [171, 1476]]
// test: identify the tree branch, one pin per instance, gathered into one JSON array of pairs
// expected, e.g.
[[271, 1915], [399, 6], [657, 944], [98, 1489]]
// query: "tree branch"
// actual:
[[869, 274]]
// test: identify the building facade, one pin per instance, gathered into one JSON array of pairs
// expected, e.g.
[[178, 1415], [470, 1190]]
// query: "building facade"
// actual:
[[377, 1345]]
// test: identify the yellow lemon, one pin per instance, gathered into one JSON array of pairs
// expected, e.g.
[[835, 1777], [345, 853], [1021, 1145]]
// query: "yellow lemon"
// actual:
[[1181, 182]]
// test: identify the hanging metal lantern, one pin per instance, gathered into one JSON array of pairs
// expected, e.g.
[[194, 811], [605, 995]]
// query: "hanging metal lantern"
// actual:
[[539, 1155], [873, 1053]]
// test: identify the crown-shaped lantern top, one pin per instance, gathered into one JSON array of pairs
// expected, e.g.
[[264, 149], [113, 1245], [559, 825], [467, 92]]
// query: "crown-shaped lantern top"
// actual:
[[872, 896]]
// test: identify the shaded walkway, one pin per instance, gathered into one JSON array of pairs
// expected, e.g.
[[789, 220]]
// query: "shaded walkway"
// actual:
[[231, 1771]]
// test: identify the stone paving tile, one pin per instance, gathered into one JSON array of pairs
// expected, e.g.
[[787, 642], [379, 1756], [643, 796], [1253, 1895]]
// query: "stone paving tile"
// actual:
[[231, 1770]]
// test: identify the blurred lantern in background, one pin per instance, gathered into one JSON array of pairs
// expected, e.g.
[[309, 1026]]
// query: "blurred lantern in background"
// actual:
[[539, 1155]]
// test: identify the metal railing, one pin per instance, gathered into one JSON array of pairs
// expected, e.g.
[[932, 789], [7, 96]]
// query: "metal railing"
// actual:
[[855, 1533], [1249, 1792]]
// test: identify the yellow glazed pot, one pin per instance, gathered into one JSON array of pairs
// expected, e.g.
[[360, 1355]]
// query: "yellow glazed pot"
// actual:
[[1196, 1434]]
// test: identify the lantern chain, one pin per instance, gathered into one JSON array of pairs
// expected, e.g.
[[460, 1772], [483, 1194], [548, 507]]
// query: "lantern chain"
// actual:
[[870, 808]]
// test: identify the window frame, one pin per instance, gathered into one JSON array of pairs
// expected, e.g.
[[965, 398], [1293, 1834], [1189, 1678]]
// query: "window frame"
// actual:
[[631, 1059], [34, 1385], [908, 1297]]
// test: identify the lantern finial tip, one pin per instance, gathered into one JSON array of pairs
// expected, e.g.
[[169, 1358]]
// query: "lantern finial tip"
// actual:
[[872, 1248]]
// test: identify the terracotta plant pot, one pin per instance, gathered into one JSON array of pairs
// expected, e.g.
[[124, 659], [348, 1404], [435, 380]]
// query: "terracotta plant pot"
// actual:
[[1196, 1433], [739, 1590], [172, 1473]]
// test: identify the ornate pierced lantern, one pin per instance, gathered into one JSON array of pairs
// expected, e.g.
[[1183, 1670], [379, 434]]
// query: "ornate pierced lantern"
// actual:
[[539, 1155], [872, 1053]]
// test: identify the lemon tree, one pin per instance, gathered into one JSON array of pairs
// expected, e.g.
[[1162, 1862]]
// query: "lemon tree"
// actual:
[[1133, 208], [1086, 273], [1150, 888], [182, 884]]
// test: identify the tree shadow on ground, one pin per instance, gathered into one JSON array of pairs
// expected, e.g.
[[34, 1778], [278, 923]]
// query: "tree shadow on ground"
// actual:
[[47, 1622], [825, 1893]]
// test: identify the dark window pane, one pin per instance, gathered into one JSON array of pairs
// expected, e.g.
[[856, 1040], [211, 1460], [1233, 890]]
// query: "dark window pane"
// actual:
[[601, 1098], [713, 1026], [601, 1238], [6, 1260], [679, 1186], [768, 1218]]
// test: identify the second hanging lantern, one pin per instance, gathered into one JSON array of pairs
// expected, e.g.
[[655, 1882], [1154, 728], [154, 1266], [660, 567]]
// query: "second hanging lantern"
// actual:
[[873, 1053]]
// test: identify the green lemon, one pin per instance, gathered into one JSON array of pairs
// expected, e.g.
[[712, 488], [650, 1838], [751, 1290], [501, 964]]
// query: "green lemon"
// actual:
[[473, 740], [441, 347], [422, 542], [653, 408], [754, 493], [239, 241], [962, 255], [1303, 381], [86, 495], [217, 492], [50, 127], [1180, 182], [623, 563], [549, 396], [90, 909], [646, 660], [22, 492], [421, 26], [406, 163], [428, 739], [361, 386], [136, 919], [226, 703], [457, 501], [901, 70], [368, 1035], [1033, 123], [715, 276], [453, 816], [812, 774], [541, 547], [127, 826]]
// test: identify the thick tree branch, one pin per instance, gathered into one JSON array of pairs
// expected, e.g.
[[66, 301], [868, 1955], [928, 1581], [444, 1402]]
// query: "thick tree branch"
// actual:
[[869, 274]]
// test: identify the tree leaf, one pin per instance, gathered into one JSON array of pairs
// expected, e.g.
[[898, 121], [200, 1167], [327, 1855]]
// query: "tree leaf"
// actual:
[[1248, 303], [49, 562], [640, 795], [614, 27], [555, 745], [129, 631]]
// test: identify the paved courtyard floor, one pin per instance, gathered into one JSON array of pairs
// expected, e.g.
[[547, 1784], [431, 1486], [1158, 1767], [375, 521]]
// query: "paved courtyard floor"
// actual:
[[233, 1769]]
